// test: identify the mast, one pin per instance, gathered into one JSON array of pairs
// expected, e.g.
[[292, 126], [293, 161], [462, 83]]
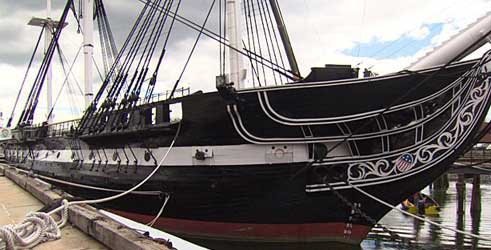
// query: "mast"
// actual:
[[49, 74], [233, 30], [88, 41], [27, 115], [285, 38], [48, 24]]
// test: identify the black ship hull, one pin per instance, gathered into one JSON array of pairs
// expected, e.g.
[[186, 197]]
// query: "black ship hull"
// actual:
[[270, 164], [248, 203]]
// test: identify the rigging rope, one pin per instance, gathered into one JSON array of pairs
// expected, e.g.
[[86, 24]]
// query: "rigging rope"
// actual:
[[263, 46], [98, 69], [141, 79], [251, 43], [67, 75], [120, 85], [255, 28], [106, 37], [192, 51], [9, 123], [153, 80], [128, 78], [216, 37], [27, 114], [282, 61], [112, 77]]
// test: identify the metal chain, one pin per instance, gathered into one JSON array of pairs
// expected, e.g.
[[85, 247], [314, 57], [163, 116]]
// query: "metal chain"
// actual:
[[393, 235]]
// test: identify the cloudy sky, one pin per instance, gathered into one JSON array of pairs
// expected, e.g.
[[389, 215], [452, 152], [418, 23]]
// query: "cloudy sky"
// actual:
[[384, 35]]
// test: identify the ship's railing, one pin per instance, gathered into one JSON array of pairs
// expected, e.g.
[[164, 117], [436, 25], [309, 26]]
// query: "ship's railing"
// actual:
[[180, 92], [63, 128], [51, 130]]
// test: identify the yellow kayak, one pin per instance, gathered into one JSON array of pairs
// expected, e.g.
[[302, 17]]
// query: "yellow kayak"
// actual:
[[431, 207]]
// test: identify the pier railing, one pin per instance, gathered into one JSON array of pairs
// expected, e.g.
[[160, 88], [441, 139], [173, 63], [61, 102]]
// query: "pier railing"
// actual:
[[476, 154], [475, 161]]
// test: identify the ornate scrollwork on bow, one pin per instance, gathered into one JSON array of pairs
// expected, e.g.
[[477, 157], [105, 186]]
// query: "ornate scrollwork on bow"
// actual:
[[426, 154]]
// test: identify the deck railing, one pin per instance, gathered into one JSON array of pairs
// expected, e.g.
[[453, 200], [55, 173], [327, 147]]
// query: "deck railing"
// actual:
[[180, 92], [50, 130], [62, 128]]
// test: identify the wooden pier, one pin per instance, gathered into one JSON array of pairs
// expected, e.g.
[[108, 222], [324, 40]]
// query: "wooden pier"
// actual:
[[476, 161], [16, 203], [87, 228]]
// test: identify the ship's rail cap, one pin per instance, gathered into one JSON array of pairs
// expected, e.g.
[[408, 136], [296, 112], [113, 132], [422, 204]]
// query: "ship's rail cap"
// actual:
[[157, 97]]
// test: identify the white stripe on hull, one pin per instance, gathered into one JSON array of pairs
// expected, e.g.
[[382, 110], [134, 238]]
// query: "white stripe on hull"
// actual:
[[245, 154]]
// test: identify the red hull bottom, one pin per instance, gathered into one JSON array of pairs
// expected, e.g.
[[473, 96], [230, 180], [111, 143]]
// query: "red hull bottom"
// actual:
[[281, 233]]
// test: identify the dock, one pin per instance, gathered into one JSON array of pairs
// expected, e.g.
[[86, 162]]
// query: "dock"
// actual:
[[87, 227], [18, 202]]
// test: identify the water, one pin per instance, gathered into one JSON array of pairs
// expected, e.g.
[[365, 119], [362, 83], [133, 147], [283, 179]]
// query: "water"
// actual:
[[426, 236]]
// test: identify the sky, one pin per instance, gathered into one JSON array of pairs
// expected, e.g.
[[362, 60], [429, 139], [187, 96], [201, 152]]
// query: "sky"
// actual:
[[383, 35]]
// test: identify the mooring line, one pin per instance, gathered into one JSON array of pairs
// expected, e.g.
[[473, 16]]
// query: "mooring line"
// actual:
[[106, 199], [149, 192], [39, 227]]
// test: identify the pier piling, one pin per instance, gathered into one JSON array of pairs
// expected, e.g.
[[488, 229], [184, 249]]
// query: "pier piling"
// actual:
[[460, 186], [441, 183], [476, 196]]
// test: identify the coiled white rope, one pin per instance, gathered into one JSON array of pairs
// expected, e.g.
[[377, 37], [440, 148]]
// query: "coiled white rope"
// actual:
[[36, 228], [417, 217], [39, 227]]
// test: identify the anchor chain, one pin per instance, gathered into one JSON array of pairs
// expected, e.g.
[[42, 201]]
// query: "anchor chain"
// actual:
[[393, 235]]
